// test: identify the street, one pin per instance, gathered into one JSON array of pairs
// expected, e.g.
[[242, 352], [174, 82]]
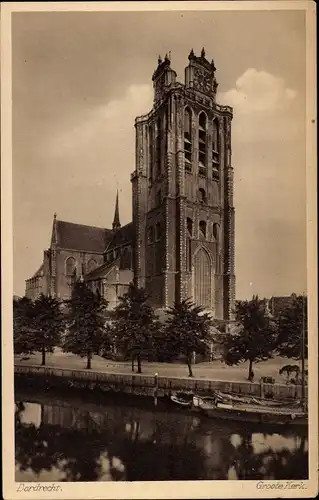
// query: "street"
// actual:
[[211, 370]]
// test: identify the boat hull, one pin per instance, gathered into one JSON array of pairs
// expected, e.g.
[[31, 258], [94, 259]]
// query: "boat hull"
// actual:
[[260, 418], [226, 411], [184, 404]]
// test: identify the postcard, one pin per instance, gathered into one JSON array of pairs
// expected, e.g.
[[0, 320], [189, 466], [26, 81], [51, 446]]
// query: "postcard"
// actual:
[[159, 250]]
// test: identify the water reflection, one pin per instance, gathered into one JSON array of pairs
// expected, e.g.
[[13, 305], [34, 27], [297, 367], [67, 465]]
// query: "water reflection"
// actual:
[[65, 441]]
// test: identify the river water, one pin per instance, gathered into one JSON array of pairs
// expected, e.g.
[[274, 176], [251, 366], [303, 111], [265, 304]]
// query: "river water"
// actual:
[[72, 438]]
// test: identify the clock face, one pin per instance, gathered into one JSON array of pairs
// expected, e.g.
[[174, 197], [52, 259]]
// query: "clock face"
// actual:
[[202, 81]]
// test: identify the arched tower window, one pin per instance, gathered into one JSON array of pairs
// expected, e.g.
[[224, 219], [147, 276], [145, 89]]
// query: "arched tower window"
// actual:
[[216, 148], [150, 235], [202, 144], [151, 151], [165, 127], [158, 199], [216, 232], [189, 226], [202, 279], [158, 147], [202, 195], [202, 228], [188, 139], [157, 231], [70, 266], [92, 264]]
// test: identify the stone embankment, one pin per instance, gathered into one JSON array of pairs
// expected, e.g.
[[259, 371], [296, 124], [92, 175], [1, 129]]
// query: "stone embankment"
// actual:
[[146, 385]]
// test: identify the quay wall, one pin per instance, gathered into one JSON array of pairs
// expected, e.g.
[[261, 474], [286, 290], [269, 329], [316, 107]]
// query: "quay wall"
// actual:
[[147, 385]]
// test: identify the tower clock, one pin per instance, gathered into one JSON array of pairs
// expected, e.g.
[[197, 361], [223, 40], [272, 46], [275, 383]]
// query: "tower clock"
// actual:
[[202, 80]]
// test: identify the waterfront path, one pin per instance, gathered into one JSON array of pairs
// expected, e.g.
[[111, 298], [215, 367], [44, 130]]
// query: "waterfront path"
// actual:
[[210, 370]]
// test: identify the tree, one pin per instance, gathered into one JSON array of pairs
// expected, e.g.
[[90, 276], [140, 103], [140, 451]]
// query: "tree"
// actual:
[[134, 324], [48, 324], [23, 328], [292, 330], [255, 336], [187, 330], [290, 370], [86, 330]]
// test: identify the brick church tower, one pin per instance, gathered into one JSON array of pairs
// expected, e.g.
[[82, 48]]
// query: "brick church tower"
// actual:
[[183, 214]]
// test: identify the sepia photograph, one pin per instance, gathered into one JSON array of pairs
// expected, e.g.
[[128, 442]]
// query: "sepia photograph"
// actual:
[[159, 250]]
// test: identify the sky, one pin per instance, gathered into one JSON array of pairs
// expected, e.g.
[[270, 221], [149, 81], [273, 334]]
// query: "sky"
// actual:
[[79, 79]]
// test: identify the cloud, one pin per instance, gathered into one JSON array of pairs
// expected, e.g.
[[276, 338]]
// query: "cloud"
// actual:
[[259, 91], [95, 154], [268, 159], [106, 123], [265, 109]]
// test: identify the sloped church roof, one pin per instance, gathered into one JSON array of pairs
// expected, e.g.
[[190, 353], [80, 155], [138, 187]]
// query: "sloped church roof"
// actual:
[[81, 237]]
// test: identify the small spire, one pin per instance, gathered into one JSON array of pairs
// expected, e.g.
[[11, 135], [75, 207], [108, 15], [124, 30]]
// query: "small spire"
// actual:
[[169, 55], [54, 237], [202, 52], [191, 54], [116, 221], [159, 60]]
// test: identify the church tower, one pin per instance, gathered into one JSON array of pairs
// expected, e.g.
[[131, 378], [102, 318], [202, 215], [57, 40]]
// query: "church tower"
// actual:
[[183, 213]]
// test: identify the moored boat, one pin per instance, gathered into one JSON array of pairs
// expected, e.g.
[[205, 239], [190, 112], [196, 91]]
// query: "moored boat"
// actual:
[[183, 399], [257, 413]]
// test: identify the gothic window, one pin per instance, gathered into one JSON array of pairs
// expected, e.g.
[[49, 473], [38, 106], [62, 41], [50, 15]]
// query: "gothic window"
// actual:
[[216, 149], [92, 264], [202, 144], [165, 126], [216, 232], [151, 153], [215, 136], [157, 231], [202, 279], [158, 199], [189, 254], [202, 228], [128, 260], [150, 235], [158, 147], [188, 139], [70, 266], [202, 195], [124, 259], [189, 226]]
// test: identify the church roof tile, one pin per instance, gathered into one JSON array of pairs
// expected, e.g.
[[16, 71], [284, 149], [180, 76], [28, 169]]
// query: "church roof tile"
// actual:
[[122, 236], [81, 237]]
